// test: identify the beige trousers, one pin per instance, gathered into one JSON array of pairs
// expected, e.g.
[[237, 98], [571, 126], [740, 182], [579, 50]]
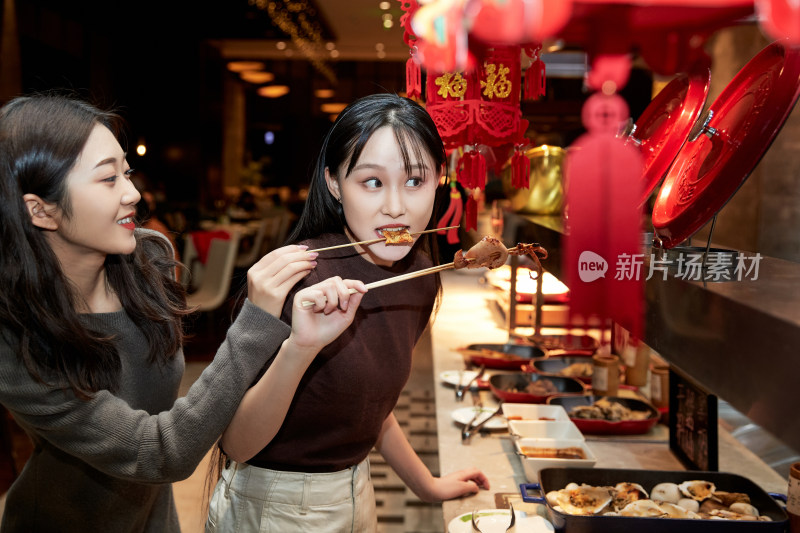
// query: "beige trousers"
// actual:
[[248, 499]]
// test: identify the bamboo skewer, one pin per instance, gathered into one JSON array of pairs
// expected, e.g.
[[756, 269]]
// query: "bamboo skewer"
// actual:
[[373, 241], [395, 279]]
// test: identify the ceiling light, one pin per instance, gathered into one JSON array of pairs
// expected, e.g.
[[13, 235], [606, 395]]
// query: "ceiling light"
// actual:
[[333, 108], [386, 16], [273, 91], [257, 76], [324, 93], [334, 53], [388, 23], [385, 5], [280, 45], [330, 46], [241, 66], [141, 149], [379, 47], [381, 54]]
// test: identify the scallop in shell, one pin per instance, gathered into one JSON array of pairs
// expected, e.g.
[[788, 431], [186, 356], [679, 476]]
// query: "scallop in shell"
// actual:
[[731, 515], [689, 504], [642, 508], [584, 500], [743, 508], [625, 493], [697, 490], [674, 511], [666, 492]]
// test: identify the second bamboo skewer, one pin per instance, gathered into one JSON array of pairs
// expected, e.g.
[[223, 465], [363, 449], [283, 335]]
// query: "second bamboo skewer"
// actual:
[[395, 279], [373, 241]]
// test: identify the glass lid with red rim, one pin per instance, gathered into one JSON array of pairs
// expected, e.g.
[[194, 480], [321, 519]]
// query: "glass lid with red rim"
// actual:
[[727, 143], [664, 125]]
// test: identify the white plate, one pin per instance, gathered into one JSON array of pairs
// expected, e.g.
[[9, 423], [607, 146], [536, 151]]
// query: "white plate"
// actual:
[[465, 414], [451, 377], [496, 520]]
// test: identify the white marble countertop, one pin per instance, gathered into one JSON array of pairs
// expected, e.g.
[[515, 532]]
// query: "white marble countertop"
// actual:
[[467, 315]]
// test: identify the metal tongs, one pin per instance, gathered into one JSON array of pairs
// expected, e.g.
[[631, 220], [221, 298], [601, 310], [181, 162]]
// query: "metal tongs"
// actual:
[[470, 430], [460, 389]]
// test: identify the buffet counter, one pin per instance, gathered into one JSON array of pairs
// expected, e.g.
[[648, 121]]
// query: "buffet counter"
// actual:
[[467, 315]]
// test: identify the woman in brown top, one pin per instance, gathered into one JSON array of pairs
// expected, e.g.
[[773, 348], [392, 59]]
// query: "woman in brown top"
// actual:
[[308, 471]]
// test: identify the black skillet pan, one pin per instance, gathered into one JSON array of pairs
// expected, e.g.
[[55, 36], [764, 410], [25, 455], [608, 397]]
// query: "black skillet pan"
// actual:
[[558, 478], [510, 355]]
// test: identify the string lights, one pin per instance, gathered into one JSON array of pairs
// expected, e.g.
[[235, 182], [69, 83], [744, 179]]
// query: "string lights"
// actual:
[[298, 20]]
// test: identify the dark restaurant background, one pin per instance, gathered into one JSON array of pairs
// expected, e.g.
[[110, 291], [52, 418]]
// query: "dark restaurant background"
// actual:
[[164, 65]]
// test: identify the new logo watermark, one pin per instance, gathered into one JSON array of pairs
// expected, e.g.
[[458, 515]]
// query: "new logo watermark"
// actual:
[[689, 266], [591, 266]]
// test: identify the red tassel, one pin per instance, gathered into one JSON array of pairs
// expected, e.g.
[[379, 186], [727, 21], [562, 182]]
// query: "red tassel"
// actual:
[[453, 216], [413, 79], [520, 170], [472, 214]]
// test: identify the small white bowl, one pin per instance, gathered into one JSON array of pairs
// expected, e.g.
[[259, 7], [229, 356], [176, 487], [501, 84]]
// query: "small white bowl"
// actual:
[[535, 411], [537, 429], [532, 465]]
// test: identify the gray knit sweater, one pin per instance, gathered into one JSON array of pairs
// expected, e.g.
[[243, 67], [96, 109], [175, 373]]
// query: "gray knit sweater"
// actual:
[[106, 464]]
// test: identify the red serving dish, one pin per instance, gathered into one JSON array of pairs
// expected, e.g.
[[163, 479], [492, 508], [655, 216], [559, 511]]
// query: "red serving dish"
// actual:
[[607, 427], [500, 385]]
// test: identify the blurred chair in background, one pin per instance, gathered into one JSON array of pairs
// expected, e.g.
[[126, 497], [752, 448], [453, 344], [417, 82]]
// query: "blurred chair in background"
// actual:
[[214, 288]]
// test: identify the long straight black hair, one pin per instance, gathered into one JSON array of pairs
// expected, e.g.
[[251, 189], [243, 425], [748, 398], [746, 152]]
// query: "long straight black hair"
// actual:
[[413, 128], [41, 137]]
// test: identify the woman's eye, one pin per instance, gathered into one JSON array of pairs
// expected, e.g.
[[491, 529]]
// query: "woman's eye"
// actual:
[[111, 179], [414, 182], [372, 183], [129, 173]]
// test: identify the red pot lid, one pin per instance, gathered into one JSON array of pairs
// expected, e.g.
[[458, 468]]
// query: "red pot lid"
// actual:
[[665, 124], [727, 143]]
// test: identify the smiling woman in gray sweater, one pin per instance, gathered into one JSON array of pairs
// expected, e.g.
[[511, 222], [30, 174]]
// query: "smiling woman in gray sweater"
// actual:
[[91, 331]]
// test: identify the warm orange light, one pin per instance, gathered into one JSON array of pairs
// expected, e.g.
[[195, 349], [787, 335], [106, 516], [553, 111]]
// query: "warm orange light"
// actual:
[[257, 76], [333, 108], [241, 66], [141, 149], [324, 93], [273, 91]]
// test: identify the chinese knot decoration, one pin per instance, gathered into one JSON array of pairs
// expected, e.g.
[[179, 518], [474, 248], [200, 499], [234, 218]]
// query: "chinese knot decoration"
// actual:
[[472, 95], [477, 107]]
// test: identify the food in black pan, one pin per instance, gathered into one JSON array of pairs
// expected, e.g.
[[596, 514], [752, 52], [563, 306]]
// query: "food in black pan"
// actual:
[[577, 370], [605, 409], [540, 387], [695, 499]]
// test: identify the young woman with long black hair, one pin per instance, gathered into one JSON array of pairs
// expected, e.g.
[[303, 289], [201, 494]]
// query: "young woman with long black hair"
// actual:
[[91, 330], [377, 172]]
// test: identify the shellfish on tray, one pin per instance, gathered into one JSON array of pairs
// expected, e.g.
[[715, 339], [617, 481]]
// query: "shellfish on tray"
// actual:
[[580, 500], [666, 500]]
